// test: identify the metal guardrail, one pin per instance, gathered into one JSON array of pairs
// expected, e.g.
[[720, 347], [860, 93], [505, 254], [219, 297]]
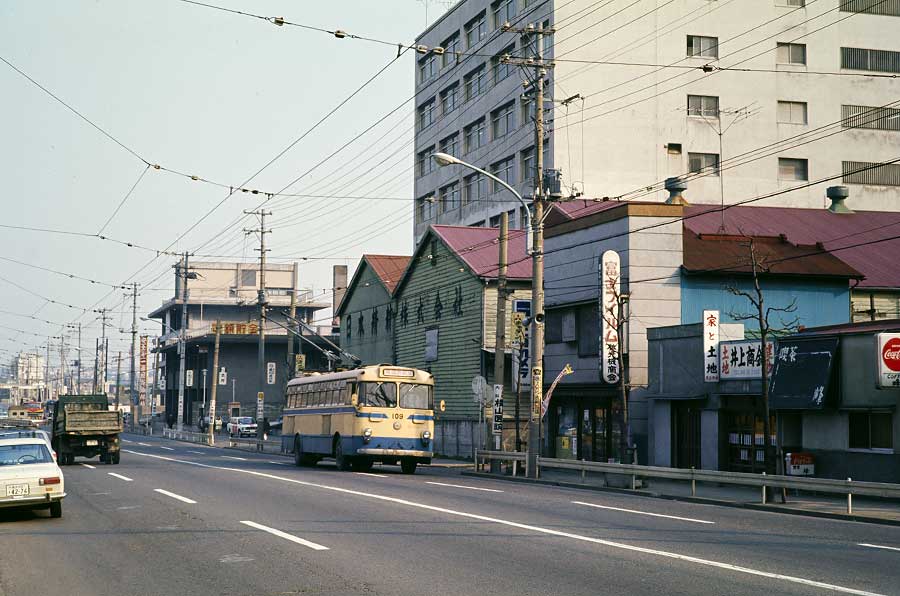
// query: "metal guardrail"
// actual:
[[269, 446], [186, 435], [846, 487]]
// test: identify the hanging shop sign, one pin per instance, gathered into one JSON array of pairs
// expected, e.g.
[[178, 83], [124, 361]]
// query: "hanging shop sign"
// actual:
[[711, 346], [888, 360], [610, 290]]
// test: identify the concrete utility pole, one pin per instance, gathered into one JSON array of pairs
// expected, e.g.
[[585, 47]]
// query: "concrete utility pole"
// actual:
[[118, 377], [293, 311], [105, 354], [182, 343], [500, 337], [47, 371], [96, 365], [135, 399], [262, 300], [215, 384]]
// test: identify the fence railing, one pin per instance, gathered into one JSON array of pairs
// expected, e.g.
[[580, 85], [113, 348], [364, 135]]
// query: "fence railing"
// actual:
[[846, 487], [186, 435], [267, 446]]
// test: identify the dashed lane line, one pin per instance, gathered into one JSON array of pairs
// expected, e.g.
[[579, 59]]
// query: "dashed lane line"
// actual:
[[120, 477], [174, 496], [487, 490], [197, 452], [867, 545], [166, 448], [284, 535], [89, 466], [234, 457], [537, 529], [372, 474], [687, 519]]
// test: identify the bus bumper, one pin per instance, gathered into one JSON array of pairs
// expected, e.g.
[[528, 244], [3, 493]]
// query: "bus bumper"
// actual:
[[395, 452]]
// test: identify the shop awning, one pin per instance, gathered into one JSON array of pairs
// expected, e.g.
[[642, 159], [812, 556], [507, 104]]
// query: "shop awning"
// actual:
[[800, 378]]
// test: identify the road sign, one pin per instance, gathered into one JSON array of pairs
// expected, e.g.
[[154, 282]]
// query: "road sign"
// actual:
[[497, 428], [479, 384], [270, 373], [260, 398], [189, 378], [537, 385], [223, 376]]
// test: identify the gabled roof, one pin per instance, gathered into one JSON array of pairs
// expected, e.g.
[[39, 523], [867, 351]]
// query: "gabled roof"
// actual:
[[723, 253], [478, 248], [387, 268]]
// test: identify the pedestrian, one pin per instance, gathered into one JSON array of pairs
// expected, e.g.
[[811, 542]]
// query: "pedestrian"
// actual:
[[266, 428]]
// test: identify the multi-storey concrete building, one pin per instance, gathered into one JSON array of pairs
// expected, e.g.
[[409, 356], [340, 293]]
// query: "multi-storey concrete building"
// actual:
[[801, 90]]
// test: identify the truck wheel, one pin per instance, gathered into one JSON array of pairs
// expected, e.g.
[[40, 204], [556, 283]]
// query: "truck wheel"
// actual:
[[115, 458], [104, 457], [408, 466], [56, 509]]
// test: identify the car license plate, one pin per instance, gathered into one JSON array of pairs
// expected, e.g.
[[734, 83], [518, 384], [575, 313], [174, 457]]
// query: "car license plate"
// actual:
[[17, 490], [91, 443]]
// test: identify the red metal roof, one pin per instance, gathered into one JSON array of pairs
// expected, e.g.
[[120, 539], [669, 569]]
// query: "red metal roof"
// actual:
[[868, 241], [478, 248], [881, 326], [388, 268]]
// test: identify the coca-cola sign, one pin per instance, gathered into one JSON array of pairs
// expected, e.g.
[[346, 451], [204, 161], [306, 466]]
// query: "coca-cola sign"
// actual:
[[889, 360]]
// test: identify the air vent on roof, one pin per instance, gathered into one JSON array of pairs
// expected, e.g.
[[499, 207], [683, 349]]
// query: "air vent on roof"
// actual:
[[838, 194], [676, 186]]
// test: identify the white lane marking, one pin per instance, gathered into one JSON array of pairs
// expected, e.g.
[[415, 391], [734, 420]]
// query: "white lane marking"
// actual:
[[174, 496], [878, 546], [120, 477], [126, 441], [487, 490], [284, 535], [235, 559], [233, 457], [538, 529], [279, 463], [89, 466], [197, 452], [372, 474], [128, 507], [166, 448], [687, 519], [144, 444]]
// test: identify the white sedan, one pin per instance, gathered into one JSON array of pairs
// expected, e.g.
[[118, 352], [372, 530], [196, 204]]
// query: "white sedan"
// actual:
[[29, 478]]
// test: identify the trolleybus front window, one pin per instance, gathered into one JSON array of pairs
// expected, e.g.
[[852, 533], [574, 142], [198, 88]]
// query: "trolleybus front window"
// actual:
[[379, 395], [416, 397]]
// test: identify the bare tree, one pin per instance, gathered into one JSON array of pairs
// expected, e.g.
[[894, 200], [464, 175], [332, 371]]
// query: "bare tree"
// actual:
[[762, 315]]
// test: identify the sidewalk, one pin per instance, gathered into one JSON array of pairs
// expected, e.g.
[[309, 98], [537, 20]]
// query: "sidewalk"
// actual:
[[819, 505]]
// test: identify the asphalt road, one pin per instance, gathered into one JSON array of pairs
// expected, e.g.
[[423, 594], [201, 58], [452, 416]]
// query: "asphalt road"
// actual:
[[185, 519]]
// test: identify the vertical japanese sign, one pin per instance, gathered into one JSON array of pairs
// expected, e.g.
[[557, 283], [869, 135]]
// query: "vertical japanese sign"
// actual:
[[260, 397], [142, 363], [711, 346], [497, 427], [299, 364], [537, 390], [610, 290], [270, 373], [189, 377], [520, 345], [888, 360]]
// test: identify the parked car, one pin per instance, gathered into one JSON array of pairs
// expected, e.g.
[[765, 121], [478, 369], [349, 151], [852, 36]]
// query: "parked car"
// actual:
[[29, 478], [242, 426]]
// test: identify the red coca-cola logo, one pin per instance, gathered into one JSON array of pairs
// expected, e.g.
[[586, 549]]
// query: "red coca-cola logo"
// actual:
[[890, 354]]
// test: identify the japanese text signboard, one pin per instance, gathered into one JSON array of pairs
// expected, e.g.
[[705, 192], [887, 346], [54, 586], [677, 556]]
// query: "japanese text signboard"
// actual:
[[497, 427], [610, 290], [888, 360], [710, 346], [142, 362], [740, 360]]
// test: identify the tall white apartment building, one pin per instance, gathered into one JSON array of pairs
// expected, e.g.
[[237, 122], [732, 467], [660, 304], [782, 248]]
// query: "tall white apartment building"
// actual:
[[801, 90]]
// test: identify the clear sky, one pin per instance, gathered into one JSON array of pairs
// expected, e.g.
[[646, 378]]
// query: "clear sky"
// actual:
[[206, 93]]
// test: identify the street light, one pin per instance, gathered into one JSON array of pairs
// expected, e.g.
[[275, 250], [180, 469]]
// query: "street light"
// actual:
[[445, 159]]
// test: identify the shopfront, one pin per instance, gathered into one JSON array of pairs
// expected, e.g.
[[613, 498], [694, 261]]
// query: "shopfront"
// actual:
[[583, 424]]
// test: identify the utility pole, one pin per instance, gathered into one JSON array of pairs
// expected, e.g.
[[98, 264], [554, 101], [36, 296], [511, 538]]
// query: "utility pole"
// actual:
[[215, 384], [262, 300], [500, 337], [96, 364], [118, 377], [135, 399], [182, 343], [62, 363], [293, 310], [105, 354], [47, 371]]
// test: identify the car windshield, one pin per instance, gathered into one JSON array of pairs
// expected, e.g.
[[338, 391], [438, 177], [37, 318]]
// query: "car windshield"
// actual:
[[28, 453], [417, 397], [379, 395], [245, 420]]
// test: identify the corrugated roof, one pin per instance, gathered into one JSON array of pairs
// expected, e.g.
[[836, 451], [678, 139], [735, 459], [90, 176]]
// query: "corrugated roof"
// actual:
[[730, 254], [477, 247], [388, 268], [884, 325], [857, 238]]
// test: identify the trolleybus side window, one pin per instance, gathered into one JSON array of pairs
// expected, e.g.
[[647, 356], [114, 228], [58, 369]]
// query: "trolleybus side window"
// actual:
[[379, 395], [416, 397]]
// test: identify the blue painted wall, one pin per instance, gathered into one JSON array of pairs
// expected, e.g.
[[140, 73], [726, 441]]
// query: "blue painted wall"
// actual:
[[819, 302]]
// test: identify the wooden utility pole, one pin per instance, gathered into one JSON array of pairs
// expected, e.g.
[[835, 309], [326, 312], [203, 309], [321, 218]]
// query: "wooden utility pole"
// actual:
[[262, 300], [182, 343], [500, 337], [118, 377], [293, 312], [135, 399], [215, 384]]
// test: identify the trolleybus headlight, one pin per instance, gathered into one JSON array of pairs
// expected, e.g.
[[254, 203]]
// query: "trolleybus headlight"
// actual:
[[367, 435], [426, 436]]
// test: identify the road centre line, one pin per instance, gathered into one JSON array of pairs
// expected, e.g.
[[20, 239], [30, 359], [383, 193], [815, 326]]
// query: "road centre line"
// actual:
[[120, 477], [278, 463], [867, 545], [371, 474], [174, 496], [234, 457], [126, 441], [687, 519], [284, 535], [166, 448], [537, 529], [489, 490], [89, 466], [145, 444], [197, 452]]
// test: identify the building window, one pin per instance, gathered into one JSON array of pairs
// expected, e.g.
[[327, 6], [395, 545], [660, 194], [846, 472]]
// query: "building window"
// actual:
[[450, 197], [474, 83], [792, 169], [427, 67], [478, 224], [871, 430], [503, 11], [494, 221], [523, 218], [248, 277], [862, 172], [425, 208], [882, 7], [449, 99], [473, 135], [871, 60], [500, 68], [791, 53], [703, 105], [526, 106], [476, 29], [526, 163], [426, 114], [704, 163], [792, 112], [450, 145], [795, 3], [503, 170], [474, 188], [451, 48], [874, 118], [424, 163], [503, 120], [702, 47]]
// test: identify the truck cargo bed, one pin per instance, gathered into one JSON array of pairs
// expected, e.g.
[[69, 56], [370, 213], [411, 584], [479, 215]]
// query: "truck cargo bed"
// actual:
[[90, 422]]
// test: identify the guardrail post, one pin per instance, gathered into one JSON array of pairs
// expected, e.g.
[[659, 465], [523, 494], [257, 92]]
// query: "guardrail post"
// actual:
[[849, 498], [583, 473], [693, 483], [515, 467], [764, 490]]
